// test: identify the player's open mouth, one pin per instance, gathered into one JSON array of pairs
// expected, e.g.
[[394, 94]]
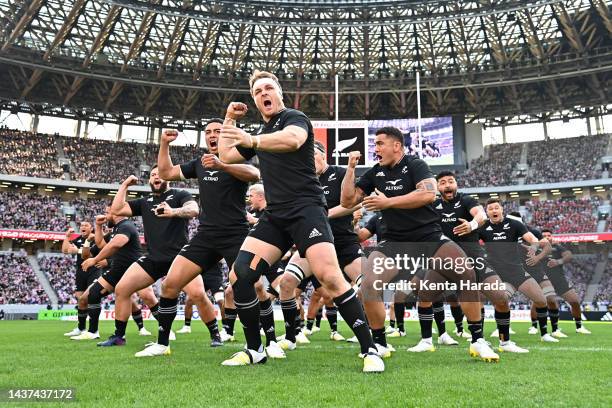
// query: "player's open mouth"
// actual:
[[267, 103], [378, 157], [213, 143]]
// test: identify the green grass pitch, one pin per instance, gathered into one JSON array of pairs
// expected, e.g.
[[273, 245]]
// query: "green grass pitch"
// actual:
[[575, 372]]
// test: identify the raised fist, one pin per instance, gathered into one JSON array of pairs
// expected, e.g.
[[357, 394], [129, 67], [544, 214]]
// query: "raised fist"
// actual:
[[169, 135], [236, 110]]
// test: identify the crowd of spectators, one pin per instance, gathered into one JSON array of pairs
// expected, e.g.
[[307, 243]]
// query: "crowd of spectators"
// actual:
[[28, 154], [579, 273], [60, 270], [564, 216], [572, 159], [101, 161], [18, 282], [31, 211], [496, 169], [604, 291], [549, 161]]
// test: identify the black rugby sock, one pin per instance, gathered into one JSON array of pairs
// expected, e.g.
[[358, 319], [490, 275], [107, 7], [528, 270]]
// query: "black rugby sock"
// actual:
[[425, 321], [352, 312], [266, 317], [439, 316], [82, 316], [213, 328], [290, 311], [319, 317], [137, 316], [399, 309], [542, 314], [155, 311], [167, 313], [120, 327], [503, 325], [332, 317], [230, 320], [458, 317], [554, 319], [379, 336], [93, 310], [476, 329]]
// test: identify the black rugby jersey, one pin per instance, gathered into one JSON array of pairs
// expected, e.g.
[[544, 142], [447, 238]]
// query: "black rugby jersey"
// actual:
[[501, 241], [164, 236], [451, 211], [331, 182], [401, 179], [221, 197], [289, 177], [131, 251]]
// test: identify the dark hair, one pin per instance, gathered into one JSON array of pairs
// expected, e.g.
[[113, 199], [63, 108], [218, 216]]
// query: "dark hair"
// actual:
[[516, 214], [319, 146], [392, 132], [493, 200], [445, 173], [153, 167], [213, 120], [546, 230]]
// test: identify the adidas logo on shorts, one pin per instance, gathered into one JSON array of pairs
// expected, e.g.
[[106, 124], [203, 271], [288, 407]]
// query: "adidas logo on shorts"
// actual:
[[314, 233]]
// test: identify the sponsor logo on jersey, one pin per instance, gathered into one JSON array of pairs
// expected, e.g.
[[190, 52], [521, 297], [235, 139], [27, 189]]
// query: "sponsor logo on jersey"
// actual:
[[393, 185], [211, 176], [380, 174]]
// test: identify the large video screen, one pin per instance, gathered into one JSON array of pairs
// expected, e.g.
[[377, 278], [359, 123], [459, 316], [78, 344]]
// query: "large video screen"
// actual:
[[436, 146]]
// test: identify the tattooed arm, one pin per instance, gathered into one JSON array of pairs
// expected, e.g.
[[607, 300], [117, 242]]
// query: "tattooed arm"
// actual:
[[424, 194]]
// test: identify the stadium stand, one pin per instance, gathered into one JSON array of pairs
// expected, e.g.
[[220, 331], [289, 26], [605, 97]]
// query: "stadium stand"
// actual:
[[582, 152], [564, 216], [18, 282], [496, 167], [579, 273], [495, 170], [28, 154], [94, 160], [31, 211], [59, 269]]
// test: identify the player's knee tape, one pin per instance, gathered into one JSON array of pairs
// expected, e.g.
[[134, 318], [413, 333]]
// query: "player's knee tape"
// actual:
[[295, 271], [549, 291], [249, 267], [273, 291], [95, 293]]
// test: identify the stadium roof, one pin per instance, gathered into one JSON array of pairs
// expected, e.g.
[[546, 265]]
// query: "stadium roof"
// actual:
[[188, 59]]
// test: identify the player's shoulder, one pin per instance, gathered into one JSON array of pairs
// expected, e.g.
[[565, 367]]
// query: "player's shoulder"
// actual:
[[438, 202]]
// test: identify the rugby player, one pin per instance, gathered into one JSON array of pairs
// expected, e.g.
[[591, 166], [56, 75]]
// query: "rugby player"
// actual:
[[165, 217], [124, 248], [82, 278], [554, 270], [295, 214], [538, 272], [501, 235], [404, 190], [460, 217], [223, 225], [346, 245]]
